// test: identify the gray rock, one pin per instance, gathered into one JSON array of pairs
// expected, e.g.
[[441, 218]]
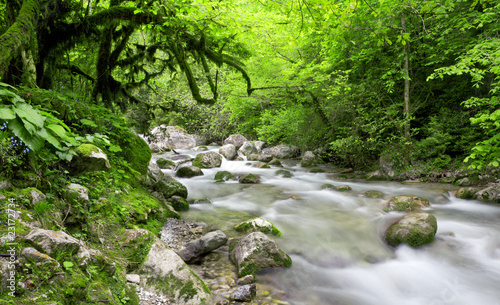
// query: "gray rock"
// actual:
[[207, 160], [259, 145], [188, 172], [491, 193], [236, 139], [5, 185], [244, 293], [41, 260], [414, 229], [282, 151], [259, 157], [247, 279], [169, 187], [205, 244], [309, 159], [53, 242], [256, 251], [133, 278], [89, 158], [249, 178], [228, 151], [247, 148], [78, 192], [165, 272], [200, 140], [38, 196], [257, 225], [407, 203], [171, 137]]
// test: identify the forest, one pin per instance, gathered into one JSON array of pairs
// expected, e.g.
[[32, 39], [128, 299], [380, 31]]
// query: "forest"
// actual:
[[359, 83], [414, 81]]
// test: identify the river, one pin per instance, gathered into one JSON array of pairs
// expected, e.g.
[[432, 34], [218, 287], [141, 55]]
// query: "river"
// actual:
[[335, 239]]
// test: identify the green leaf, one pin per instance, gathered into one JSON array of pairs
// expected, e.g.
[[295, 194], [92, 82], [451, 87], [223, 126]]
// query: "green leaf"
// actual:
[[28, 114], [115, 148], [60, 132], [88, 123], [7, 113], [49, 138]]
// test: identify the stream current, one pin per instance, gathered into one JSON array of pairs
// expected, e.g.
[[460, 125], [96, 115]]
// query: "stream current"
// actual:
[[335, 239]]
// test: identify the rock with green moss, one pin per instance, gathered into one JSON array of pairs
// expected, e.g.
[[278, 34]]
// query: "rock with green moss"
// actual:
[[39, 262], [89, 158], [222, 176], [249, 178], [163, 271], [247, 148], [406, 203], [169, 187], [491, 194], [98, 292], [188, 172], [259, 157], [236, 139], [179, 203], [5, 185], [228, 151], [256, 225], [317, 170], [165, 163], [256, 251], [275, 162], [466, 192], [343, 188], [210, 159], [261, 165], [309, 159], [373, 194], [284, 173], [76, 192], [53, 242], [136, 152], [415, 229], [328, 186], [194, 249]]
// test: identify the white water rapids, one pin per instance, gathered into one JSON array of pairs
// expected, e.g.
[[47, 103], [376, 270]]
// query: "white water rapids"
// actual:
[[336, 242]]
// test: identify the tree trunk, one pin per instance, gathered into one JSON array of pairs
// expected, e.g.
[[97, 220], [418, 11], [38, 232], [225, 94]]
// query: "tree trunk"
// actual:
[[19, 36], [406, 91]]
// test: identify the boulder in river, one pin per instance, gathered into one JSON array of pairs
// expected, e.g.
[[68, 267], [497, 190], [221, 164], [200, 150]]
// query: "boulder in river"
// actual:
[[207, 160], [192, 250], [249, 178], [257, 224], [188, 172], [244, 293], [415, 229], [228, 151], [222, 176], [236, 139], [309, 159], [256, 251], [259, 157], [407, 203], [282, 151], [171, 137], [169, 187], [165, 164], [247, 148]]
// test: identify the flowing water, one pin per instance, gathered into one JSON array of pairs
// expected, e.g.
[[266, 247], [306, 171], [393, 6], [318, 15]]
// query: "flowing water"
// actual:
[[336, 244]]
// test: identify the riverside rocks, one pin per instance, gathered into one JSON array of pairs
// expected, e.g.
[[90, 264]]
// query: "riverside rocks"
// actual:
[[165, 138], [188, 172], [52, 242], [258, 224], [414, 229], [236, 139], [256, 251], [407, 203], [207, 160], [192, 250], [228, 151]]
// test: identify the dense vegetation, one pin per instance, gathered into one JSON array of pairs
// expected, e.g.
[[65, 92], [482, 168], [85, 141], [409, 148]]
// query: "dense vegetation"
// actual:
[[409, 81]]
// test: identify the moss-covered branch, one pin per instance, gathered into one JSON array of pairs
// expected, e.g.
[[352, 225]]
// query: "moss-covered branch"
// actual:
[[19, 35]]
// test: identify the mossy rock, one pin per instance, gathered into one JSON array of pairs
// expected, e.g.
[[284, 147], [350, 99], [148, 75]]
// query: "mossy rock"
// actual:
[[261, 165], [343, 188], [222, 176], [466, 192], [328, 187], [189, 172], [99, 292], [317, 170], [416, 229], [169, 187], [136, 152], [208, 160], [407, 203], [373, 194], [258, 224], [179, 203], [250, 178], [284, 173], [165, 164], [275, 162], [90, 158]]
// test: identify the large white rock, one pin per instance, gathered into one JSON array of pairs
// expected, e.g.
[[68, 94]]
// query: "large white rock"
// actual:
[[257, 251], [53, 242], [236, 139], [171, 137], [165, 272], [228, 151], [282, 151]]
